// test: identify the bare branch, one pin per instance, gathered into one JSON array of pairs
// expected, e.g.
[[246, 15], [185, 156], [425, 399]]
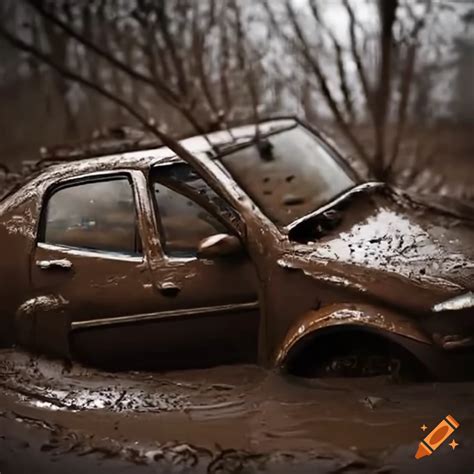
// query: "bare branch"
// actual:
[[154, 52], [246, 64], [224, 57], [388, 9], [357, 58], [406, 83], [405, 89], [199, 47], [165, 92], [341, 69], [163, 26], [73, 76], [323, 84], [147, 123]]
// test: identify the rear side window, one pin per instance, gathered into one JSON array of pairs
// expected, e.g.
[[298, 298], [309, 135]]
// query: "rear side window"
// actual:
[[95, 215]]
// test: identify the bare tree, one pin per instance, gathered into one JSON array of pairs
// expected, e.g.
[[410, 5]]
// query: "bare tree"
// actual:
[[166, 52], [205, 64], [190, 57], [344, 67]]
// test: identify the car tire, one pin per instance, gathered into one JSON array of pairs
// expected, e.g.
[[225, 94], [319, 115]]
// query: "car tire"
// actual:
[[356, 353]]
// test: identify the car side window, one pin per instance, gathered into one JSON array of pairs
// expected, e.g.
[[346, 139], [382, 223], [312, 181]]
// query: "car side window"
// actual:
[[95, 215], [184, 222]]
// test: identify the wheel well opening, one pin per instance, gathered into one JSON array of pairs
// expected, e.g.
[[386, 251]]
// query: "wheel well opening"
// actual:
[[353, 351]]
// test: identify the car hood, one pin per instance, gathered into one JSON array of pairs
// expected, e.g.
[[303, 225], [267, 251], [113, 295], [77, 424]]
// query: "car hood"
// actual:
[[391, 248]]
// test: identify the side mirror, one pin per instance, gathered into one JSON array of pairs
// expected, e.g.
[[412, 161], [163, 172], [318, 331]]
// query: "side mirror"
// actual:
[[219, 245]]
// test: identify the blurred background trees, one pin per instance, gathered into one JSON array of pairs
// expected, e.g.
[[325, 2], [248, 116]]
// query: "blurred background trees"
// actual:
[[389, 80]]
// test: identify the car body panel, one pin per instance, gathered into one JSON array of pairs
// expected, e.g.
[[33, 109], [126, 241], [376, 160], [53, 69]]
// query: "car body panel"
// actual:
[[104, 286], [391, 259], [361, 315]]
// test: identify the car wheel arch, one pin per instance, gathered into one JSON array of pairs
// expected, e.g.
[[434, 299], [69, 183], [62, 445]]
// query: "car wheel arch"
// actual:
[[311, 327]]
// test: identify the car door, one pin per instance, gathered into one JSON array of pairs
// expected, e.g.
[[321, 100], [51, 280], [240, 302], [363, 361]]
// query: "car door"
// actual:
[[211, 314], [110, 291], [88, 264]]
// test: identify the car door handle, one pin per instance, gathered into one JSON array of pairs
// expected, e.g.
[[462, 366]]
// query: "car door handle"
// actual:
[[168, 288], [62, 264]]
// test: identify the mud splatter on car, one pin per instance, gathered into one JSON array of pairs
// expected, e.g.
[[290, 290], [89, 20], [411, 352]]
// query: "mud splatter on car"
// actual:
[[247, 248]]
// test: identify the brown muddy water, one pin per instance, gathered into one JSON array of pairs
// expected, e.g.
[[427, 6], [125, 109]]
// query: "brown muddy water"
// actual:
[[238, 419]]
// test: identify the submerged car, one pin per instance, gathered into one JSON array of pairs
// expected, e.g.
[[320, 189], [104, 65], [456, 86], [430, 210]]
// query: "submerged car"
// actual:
[[264, 246]]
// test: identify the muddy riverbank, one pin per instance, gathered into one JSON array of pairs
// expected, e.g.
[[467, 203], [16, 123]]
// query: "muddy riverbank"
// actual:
[[242, 419]]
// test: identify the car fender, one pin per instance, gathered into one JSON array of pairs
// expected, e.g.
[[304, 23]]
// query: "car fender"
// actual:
[[41, 319], [337, 315]]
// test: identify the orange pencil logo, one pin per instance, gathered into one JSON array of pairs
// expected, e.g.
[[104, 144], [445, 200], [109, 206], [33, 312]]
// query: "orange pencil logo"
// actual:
[[437, 437]]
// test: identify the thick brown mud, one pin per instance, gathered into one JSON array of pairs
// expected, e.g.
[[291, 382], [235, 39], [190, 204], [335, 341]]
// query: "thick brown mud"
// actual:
[[55, 418]]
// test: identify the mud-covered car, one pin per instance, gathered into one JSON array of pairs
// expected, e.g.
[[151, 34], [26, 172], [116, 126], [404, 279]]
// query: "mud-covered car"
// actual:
[[263, 245]]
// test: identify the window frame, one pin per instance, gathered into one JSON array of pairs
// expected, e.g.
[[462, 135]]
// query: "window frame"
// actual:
[[186, 192], [92, 177]]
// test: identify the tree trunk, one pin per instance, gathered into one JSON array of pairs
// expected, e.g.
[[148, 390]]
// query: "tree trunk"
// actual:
[[387, 12]]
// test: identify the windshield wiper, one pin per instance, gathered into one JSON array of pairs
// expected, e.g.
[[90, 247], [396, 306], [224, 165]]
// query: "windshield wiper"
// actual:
[[290, 228]]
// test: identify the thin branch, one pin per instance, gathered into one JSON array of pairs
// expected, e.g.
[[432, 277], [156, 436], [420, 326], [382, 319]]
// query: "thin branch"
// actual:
[[274, 23], [357, 58], [154, 52], [341, 69], [344, 82], [70, 75], [405, 90], [323, 84], [388, 11], [407, 83], [199, 47], [148, 124], [224, 58], [246, 64], [163, 27], [166, 93]]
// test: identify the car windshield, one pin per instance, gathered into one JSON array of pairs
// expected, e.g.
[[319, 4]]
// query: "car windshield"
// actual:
[[288, 175]]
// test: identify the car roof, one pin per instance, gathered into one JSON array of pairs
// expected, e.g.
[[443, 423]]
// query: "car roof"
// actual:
[[197, 144]]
